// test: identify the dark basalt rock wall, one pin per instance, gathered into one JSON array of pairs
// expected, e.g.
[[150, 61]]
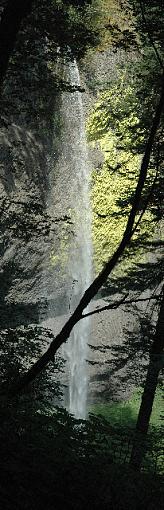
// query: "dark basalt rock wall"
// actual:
[[34, 201], [29, 127]]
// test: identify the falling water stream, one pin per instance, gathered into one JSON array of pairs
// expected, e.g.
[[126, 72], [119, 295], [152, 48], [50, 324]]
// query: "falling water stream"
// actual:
[[72, 201], [80, 253]]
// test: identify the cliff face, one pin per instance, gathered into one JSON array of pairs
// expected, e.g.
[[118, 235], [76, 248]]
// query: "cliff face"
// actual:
[[28, 109], [35, 201]]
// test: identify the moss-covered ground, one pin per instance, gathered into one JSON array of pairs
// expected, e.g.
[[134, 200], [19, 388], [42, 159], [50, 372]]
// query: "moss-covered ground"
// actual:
[[125, 413]]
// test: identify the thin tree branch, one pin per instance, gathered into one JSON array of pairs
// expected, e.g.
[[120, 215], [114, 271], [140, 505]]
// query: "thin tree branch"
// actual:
[[116, 304], [92, 290], [146, 204], [150, 194]]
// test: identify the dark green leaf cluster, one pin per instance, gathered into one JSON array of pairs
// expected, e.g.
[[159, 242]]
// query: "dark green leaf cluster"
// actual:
[[150, 21], [71, 24], [47, 460], [19, 348]]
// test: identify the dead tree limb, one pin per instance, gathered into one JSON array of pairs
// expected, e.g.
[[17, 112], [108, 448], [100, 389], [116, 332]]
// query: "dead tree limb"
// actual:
[[117, 304]]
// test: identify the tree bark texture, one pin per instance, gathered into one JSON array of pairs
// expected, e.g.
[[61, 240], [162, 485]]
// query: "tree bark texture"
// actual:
[[155, 365]]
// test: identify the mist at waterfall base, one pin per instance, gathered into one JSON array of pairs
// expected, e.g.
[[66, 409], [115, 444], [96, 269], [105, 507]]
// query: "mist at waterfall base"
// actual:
[[80, 256]]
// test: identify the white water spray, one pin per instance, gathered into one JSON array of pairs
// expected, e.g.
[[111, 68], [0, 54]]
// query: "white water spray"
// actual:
[[80, 253]]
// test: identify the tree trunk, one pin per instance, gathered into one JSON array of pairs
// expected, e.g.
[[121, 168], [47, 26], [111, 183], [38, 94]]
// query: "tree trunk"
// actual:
[[11, 19], [155, 365]]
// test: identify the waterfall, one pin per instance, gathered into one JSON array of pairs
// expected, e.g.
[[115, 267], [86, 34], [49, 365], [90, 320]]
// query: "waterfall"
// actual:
[[80, 253]]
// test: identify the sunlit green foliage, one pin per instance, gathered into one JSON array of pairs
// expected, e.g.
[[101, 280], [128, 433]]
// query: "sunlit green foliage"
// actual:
[[116, 114], [125, 413], [115, 124], [116, 24]]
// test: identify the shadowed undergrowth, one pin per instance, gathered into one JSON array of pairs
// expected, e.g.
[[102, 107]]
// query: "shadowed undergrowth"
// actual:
[[53, 461]]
